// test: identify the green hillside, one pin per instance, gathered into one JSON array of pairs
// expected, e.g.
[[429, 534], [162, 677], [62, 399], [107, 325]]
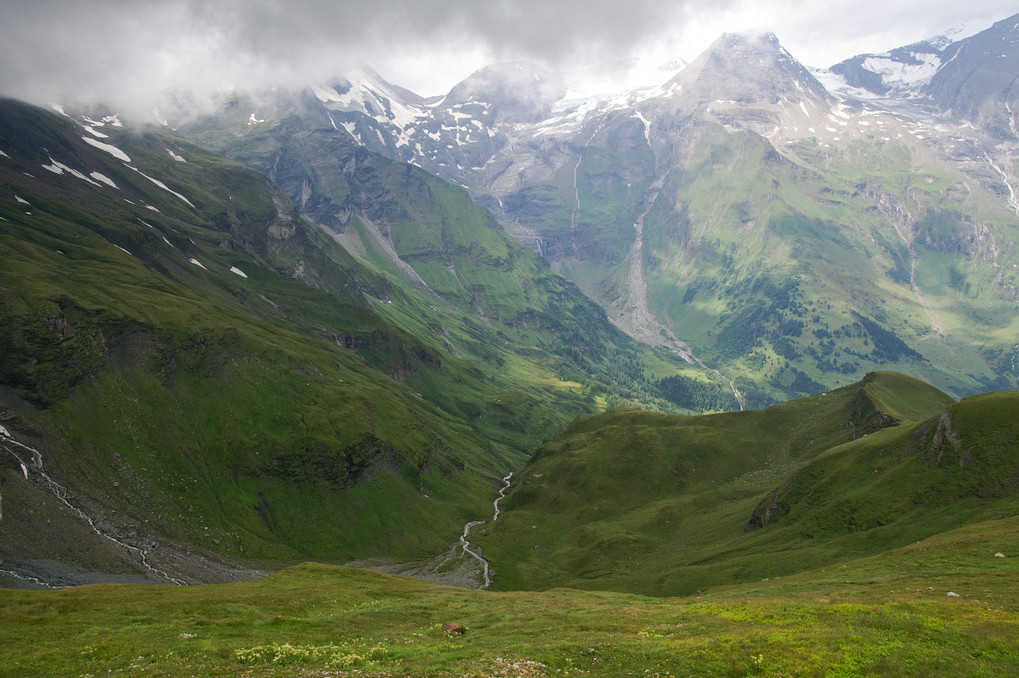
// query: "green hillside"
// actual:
[[155, 341], [807, 267], [173, 325], [665, 505], [426, 232]]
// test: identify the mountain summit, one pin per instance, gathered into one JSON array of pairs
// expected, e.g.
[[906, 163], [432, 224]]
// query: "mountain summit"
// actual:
[[515, 92], [979, 80], [746, 68]]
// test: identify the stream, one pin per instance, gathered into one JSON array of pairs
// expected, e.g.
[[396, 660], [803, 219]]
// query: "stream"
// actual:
[[464, 548], [33, 466]]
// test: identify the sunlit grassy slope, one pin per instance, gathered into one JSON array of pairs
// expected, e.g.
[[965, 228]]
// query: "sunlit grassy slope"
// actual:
[[657, 504]]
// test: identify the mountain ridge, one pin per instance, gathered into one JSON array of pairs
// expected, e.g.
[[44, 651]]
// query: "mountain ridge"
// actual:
[[583, 187]]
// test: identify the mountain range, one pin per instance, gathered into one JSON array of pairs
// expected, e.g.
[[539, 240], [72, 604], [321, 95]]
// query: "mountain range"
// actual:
[[711, 213], [326, 322], [175, 326]]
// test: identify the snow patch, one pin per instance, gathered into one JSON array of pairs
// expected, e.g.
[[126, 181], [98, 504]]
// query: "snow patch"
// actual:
[[5, 155], [252, 120], [109, 148], [647, 125], [197, 263], [326, 94], [176, 157], [902, 75], [163, 186], [105, 179], [58, 108], [21, 200], [60, 168], [113, 120], [234, 269], [93, 132]]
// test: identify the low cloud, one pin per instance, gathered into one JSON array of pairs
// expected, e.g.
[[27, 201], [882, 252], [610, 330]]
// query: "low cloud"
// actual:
[[138, 51]]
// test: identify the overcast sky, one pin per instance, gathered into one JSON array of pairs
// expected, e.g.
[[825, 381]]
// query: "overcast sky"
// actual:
[[137, 50]]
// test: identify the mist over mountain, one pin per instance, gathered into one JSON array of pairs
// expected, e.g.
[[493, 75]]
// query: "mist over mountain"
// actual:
[[710, 212]]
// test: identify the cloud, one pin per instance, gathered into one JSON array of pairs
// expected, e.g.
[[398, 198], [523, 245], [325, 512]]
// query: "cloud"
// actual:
[[121, 51], [108, 49]]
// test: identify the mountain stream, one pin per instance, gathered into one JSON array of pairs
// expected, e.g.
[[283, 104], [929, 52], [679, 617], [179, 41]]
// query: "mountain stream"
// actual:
[[32, 469], [463, 548]]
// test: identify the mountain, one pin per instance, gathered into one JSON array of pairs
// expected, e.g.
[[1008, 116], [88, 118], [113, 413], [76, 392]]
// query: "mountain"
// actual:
[[902, 72], [665, 505], [788, 228], [196, 379], [972, 79], [157, 339], [747, 233], [403, 220], [978, 79]]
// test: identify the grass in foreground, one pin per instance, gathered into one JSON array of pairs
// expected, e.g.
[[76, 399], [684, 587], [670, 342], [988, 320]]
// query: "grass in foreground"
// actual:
[[890, 615]]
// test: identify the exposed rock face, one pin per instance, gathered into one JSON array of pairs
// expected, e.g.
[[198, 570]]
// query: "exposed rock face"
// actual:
[[980, 79]]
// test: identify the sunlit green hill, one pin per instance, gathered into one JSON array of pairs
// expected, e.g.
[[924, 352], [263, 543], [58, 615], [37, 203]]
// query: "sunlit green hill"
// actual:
[[666, 505]]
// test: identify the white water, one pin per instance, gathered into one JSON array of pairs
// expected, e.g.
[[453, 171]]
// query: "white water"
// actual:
[[575, 218], [34, 467], [1013, 200]]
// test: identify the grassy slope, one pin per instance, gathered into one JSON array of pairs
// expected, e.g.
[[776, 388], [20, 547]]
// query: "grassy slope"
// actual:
[[315, 390], [222, 402], [496, 292], [766, 264], [663, 505], [889, 615], [791, 268]]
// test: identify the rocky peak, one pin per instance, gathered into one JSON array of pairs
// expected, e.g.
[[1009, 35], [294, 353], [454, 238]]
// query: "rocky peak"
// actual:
[[747, 68], [979, 82], [903, 70], [511, 92]]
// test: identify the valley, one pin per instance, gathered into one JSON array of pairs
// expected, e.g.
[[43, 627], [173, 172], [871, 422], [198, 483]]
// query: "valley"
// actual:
[[668, 205], [715, 376]]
